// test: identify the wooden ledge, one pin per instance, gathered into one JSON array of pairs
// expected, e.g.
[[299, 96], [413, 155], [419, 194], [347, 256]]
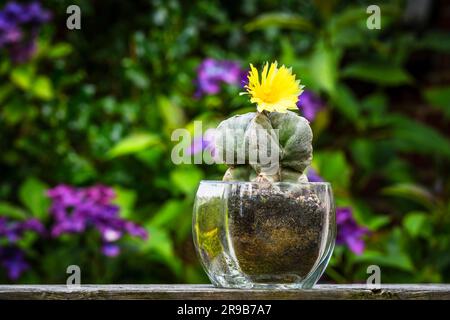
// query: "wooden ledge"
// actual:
[[208, 292]]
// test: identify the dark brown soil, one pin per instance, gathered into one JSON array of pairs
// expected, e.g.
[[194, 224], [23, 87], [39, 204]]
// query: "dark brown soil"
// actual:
[[274, 232]]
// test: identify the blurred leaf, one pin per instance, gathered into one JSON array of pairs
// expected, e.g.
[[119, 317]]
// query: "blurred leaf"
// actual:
[[349, 17], [125, 199], [59, 50], [279, 20], [363, 153], [399, 261], [439, 97], [138, 78], [323, 67], [32, 193], [412, 136], [435, 40], [375, 105], [346, 103], [287, 52], [134, 143], [11, 211], [186, 180], [172, 114], [325, 7], [15, 112], [377, 222], [80, 169], [333, 167], [151, 157], [5, 91], [167, 213], [160, 243], [412, 192], [417, 223], [22, 76], [382, 74], [42, 88], [195, 274], [356, 17]]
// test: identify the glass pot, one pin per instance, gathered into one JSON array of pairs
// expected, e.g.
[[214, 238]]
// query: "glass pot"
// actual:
[[252, 235]]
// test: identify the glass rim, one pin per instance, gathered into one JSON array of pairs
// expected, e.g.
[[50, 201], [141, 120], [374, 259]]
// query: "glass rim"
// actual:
[[324, 183]]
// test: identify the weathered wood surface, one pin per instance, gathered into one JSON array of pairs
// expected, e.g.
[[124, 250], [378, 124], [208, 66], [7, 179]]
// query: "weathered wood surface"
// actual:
[[207, 292]]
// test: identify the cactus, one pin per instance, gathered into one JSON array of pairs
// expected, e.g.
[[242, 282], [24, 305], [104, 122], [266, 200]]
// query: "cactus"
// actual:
[[287, 136], [272, 144]]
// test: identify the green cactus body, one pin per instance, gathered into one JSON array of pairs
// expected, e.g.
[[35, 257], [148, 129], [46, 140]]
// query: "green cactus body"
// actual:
[[243, 140]]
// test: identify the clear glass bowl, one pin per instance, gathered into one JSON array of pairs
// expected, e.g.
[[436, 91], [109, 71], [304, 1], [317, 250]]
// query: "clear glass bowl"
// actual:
[[251, 235]]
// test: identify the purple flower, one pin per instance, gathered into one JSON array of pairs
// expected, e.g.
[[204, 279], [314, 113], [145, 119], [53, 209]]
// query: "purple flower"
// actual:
[[9, 32], [349, 232], [244, 78], [309, 104], [203, 142], [13, 260], [22, 51], [11, 257], [34, 14], [19, 27], [212, 73], [76, 209], [13, 230], [110, 250], [313, 176], [31, 13]]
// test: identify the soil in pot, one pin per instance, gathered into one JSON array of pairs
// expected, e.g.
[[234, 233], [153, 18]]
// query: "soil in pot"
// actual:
[[276, 234]]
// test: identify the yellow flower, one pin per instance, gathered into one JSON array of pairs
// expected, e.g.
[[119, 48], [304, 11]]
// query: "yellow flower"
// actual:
[[277, 91]]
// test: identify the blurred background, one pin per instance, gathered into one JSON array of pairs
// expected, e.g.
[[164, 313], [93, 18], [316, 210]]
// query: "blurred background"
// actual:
[[86, 118]]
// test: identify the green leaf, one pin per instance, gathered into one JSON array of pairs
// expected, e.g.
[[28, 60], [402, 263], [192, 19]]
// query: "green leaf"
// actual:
[[125, 199], [186, 179], [439, 97], [138, 78], [377, 222], [375, 105], [398, 261], [279, 20], [42, 88], [172, 113], [134, 143], [417, 223], [11, 211], [412, 192], [22, 76], [161, 245], [167, 213], [80, 168], [5, 91], [349, 17], [412, 136], [356, 16], [32, 194], [59, 50], [435, 40], [323, 67], [333, 167], [346, 103], [382, 74], [15, 111]]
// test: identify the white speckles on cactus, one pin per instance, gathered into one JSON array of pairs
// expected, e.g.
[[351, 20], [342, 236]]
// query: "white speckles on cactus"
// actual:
[[288, 135]]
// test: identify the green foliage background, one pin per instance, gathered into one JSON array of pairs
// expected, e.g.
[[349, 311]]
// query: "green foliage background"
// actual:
[[99, 105]]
